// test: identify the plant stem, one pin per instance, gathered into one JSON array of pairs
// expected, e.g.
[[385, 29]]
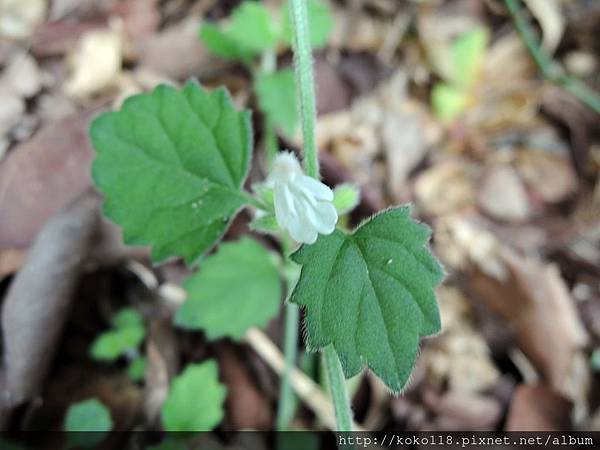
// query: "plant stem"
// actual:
[[339, 394], [252, 201], [271, 146], [305, 84], [287, 402], [303, 64], [550, 70], [268, 64]]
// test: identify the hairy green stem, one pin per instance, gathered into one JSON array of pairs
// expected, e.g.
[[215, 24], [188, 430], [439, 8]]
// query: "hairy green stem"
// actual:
[[303, 64], [305, 84], [551, 71], [271, 146], [287, 399], [287, 402], [339, 393]]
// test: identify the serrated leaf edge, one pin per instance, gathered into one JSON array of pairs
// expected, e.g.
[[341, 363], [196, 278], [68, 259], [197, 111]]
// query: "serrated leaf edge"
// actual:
[[136, 241], [399, 388]]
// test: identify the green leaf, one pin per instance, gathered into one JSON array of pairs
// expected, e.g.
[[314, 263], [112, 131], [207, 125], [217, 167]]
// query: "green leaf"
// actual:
[[346, 197], [195, 400], [171, 165], [371, 294], [265, 224], [137, 369], [84, 417], [468, 51], [222, 44], [266, 194], [235, 289], [251, 32], [253, 28], [110, 345], [448, 102], [320, 22], [127, 317], [276, 94]]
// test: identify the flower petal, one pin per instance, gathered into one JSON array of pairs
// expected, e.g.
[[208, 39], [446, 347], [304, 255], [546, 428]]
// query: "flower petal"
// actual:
[[327, 218], [318, 190], [302, 230], [285, 167], [285, 211]]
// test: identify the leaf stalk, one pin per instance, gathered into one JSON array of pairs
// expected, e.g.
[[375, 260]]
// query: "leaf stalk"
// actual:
[[339, 393]]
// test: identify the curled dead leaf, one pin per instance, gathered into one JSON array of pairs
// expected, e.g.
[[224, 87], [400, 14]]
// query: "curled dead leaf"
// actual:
[[36, 305], [96, 62], [443, 188], [18, 18], [502, 195], [536, 303]]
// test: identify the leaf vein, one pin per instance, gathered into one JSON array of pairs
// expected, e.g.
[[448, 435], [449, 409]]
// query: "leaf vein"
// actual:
[[408, 250], [382, 315]]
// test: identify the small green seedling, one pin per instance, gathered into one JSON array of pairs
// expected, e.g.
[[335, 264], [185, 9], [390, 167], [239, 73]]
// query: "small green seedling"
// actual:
[[123, 340], [253, 36], [195, 400], [255, 296], [87, 423], [451, 97]]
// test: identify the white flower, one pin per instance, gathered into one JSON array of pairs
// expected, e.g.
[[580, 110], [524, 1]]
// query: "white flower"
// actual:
[[302, 204]]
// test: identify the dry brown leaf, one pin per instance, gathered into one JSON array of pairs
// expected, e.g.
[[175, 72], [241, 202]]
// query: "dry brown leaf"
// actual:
[[581, 63], [247, 407], [177, 52], [37, 303], [140, 17], [461, 242], [96, 62], [163, 364], [82, 381], [463, 411], [459, 357], [22, 76], [551, 19], [18, 18], [550, 176], [41, 176], [536, 303], [12, 110], [508, 59], [502, 195], [385, 122], [437, 29], [357, 31], [58, 38], [11, 261], [502, 106], [444, 188], [538, 408], [405, 147]]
